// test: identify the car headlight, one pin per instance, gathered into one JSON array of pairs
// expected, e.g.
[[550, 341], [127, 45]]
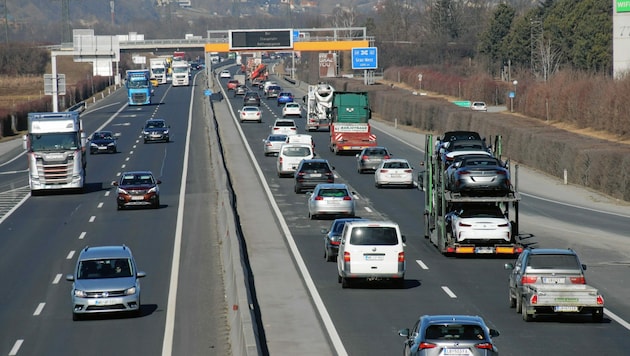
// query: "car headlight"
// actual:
[[145, 132], [122, 191], [93, 144], [166, 132], [111, 144], [153, 190], [80, 293], [130, 291]]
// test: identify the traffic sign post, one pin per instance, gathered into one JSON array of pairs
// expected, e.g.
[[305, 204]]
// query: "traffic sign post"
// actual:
[[364, 58]]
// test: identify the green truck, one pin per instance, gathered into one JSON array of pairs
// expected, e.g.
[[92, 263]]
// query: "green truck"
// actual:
[[350, 129]]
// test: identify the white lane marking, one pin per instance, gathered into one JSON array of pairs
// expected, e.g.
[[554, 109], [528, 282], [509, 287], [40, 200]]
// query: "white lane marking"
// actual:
[[39, 309], [107, 193], [100, 205], [57, 278], [123, 166], [573, 205], [368, 209], [449, 292], [127, 159], [169, 327], [421, 264], [118, 174], [82, 235], [16, 347], [70, 255], [92, 218], [617, 318]]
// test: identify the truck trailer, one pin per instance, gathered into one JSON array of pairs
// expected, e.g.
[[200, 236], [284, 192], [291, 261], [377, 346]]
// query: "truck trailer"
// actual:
[[440, 202], [55, 148], [181, 73], [350, 129]]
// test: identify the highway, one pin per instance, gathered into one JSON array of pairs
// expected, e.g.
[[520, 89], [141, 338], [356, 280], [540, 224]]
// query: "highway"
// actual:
[[41, 238], [368, 318]]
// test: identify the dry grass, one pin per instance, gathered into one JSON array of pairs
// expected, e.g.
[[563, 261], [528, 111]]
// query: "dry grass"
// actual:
[[16, 90]]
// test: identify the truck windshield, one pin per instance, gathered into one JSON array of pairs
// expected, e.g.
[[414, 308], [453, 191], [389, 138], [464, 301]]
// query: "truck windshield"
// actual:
[[54, 141], [180, 69], [137, 83]]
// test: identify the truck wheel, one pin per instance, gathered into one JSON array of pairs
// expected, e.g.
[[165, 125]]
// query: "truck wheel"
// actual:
[[526, 317], [598, 315]]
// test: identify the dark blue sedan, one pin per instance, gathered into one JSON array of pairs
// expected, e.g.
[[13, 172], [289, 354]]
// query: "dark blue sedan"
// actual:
[[103, 142]]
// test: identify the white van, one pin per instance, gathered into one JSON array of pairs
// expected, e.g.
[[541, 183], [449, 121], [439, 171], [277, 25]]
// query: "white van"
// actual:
[[290, 156], [371, 250], [301, 138]]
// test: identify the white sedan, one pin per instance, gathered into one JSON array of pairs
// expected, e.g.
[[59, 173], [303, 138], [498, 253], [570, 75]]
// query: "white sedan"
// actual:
[[250, 113], [292, 109], [225, 74], [479, 223], [396, 171]]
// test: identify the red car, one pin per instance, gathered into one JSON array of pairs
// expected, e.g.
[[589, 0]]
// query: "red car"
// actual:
[[232, 84]]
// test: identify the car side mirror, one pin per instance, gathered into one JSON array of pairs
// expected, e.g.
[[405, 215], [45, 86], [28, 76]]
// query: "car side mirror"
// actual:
[[494, 333], [404, 238], [114, 183], [509, 266], [69, 277], [140, 274], [403, 332], [324, 231], [159, 181], [584, 267]]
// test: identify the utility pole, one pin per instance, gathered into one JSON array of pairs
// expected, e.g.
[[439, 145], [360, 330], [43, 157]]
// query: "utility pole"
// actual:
[[66, 26]]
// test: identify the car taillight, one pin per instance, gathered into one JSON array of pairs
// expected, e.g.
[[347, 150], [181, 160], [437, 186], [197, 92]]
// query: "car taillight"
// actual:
[[462, 172], [334, 242], [347, 198], [426, 345], [484, 346], [503, 225], [365, 158], [533, 299], [464, 224], [258, 114], [578, 280], [600, 300], [300, 174], [528, 279], [384, 170], [501, 172], [346, 257], [276, 128], [319, 198], [386, 157], [280, 159], [408, 170], [401, 257]]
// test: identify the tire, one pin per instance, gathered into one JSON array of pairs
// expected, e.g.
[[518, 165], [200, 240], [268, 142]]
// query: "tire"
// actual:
[[399, 283], [518, 304], [327, 255], [377, 185], [597, 315], [345, 282], [338, 278], [76, 317], [512, 300], [119, 207], [526, 316], [296, 190], [156, 205]]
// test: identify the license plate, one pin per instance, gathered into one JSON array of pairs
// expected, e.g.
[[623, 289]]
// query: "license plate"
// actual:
[[102, 148], [565, 309], [137, 198], [484, 250], [108, 301], [316, 175], [395, 175], [456, 352], [332, 202], [374, 257], [553, 280]]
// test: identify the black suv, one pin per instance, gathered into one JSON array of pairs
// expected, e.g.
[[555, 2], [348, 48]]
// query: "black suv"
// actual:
[[251, 98], [311, 172]]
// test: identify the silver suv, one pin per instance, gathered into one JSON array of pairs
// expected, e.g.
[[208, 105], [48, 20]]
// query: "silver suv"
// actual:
[[105, 279]]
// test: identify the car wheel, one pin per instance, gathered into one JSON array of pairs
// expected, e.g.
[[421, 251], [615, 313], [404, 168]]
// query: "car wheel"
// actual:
[[377, 185], [296, 190], [512, 300], [145, 141], [119, 207], [526, 317], [328, 256], [399, 283], [76, 317], [598, 315], [338, 278], [518, 304], [359, 170], [345, 282]]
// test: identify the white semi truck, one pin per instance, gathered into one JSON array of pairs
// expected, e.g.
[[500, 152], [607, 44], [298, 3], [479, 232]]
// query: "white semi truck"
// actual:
[[55, 149], [181, 73], [158, 69]]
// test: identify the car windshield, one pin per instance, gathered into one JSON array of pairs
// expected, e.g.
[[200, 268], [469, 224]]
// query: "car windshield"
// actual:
[[396, 165], [480, 162], [250, 109], [136, 179], [102, 136], [105, 268], [315, 167], [277, 138], [488, 212], [296, 151], [155, 124], [374, 235], [378, 152], [455, 332], [285, 123], [333, 193], [552, 261]]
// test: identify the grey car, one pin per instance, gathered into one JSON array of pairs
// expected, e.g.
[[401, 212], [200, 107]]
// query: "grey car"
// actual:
[[272, 144], [478, 173], [543, 266], [437, 335], [156, 130], [331, 200], [312, 172], [105, 280], [371, 157]]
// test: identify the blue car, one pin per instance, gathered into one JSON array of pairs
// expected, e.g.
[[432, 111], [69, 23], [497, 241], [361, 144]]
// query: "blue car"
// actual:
[[103, 142], [285, 97]]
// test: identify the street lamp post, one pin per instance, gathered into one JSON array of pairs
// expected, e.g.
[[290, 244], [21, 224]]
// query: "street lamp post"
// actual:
[[513, 96]]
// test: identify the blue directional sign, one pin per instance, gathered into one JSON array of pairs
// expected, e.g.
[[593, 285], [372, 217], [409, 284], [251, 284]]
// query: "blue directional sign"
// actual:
[[364, 58]]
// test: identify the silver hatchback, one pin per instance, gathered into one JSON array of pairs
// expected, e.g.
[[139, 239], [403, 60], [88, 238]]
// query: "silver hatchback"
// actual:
[[371, 157], [105, 280], [331, 199]]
